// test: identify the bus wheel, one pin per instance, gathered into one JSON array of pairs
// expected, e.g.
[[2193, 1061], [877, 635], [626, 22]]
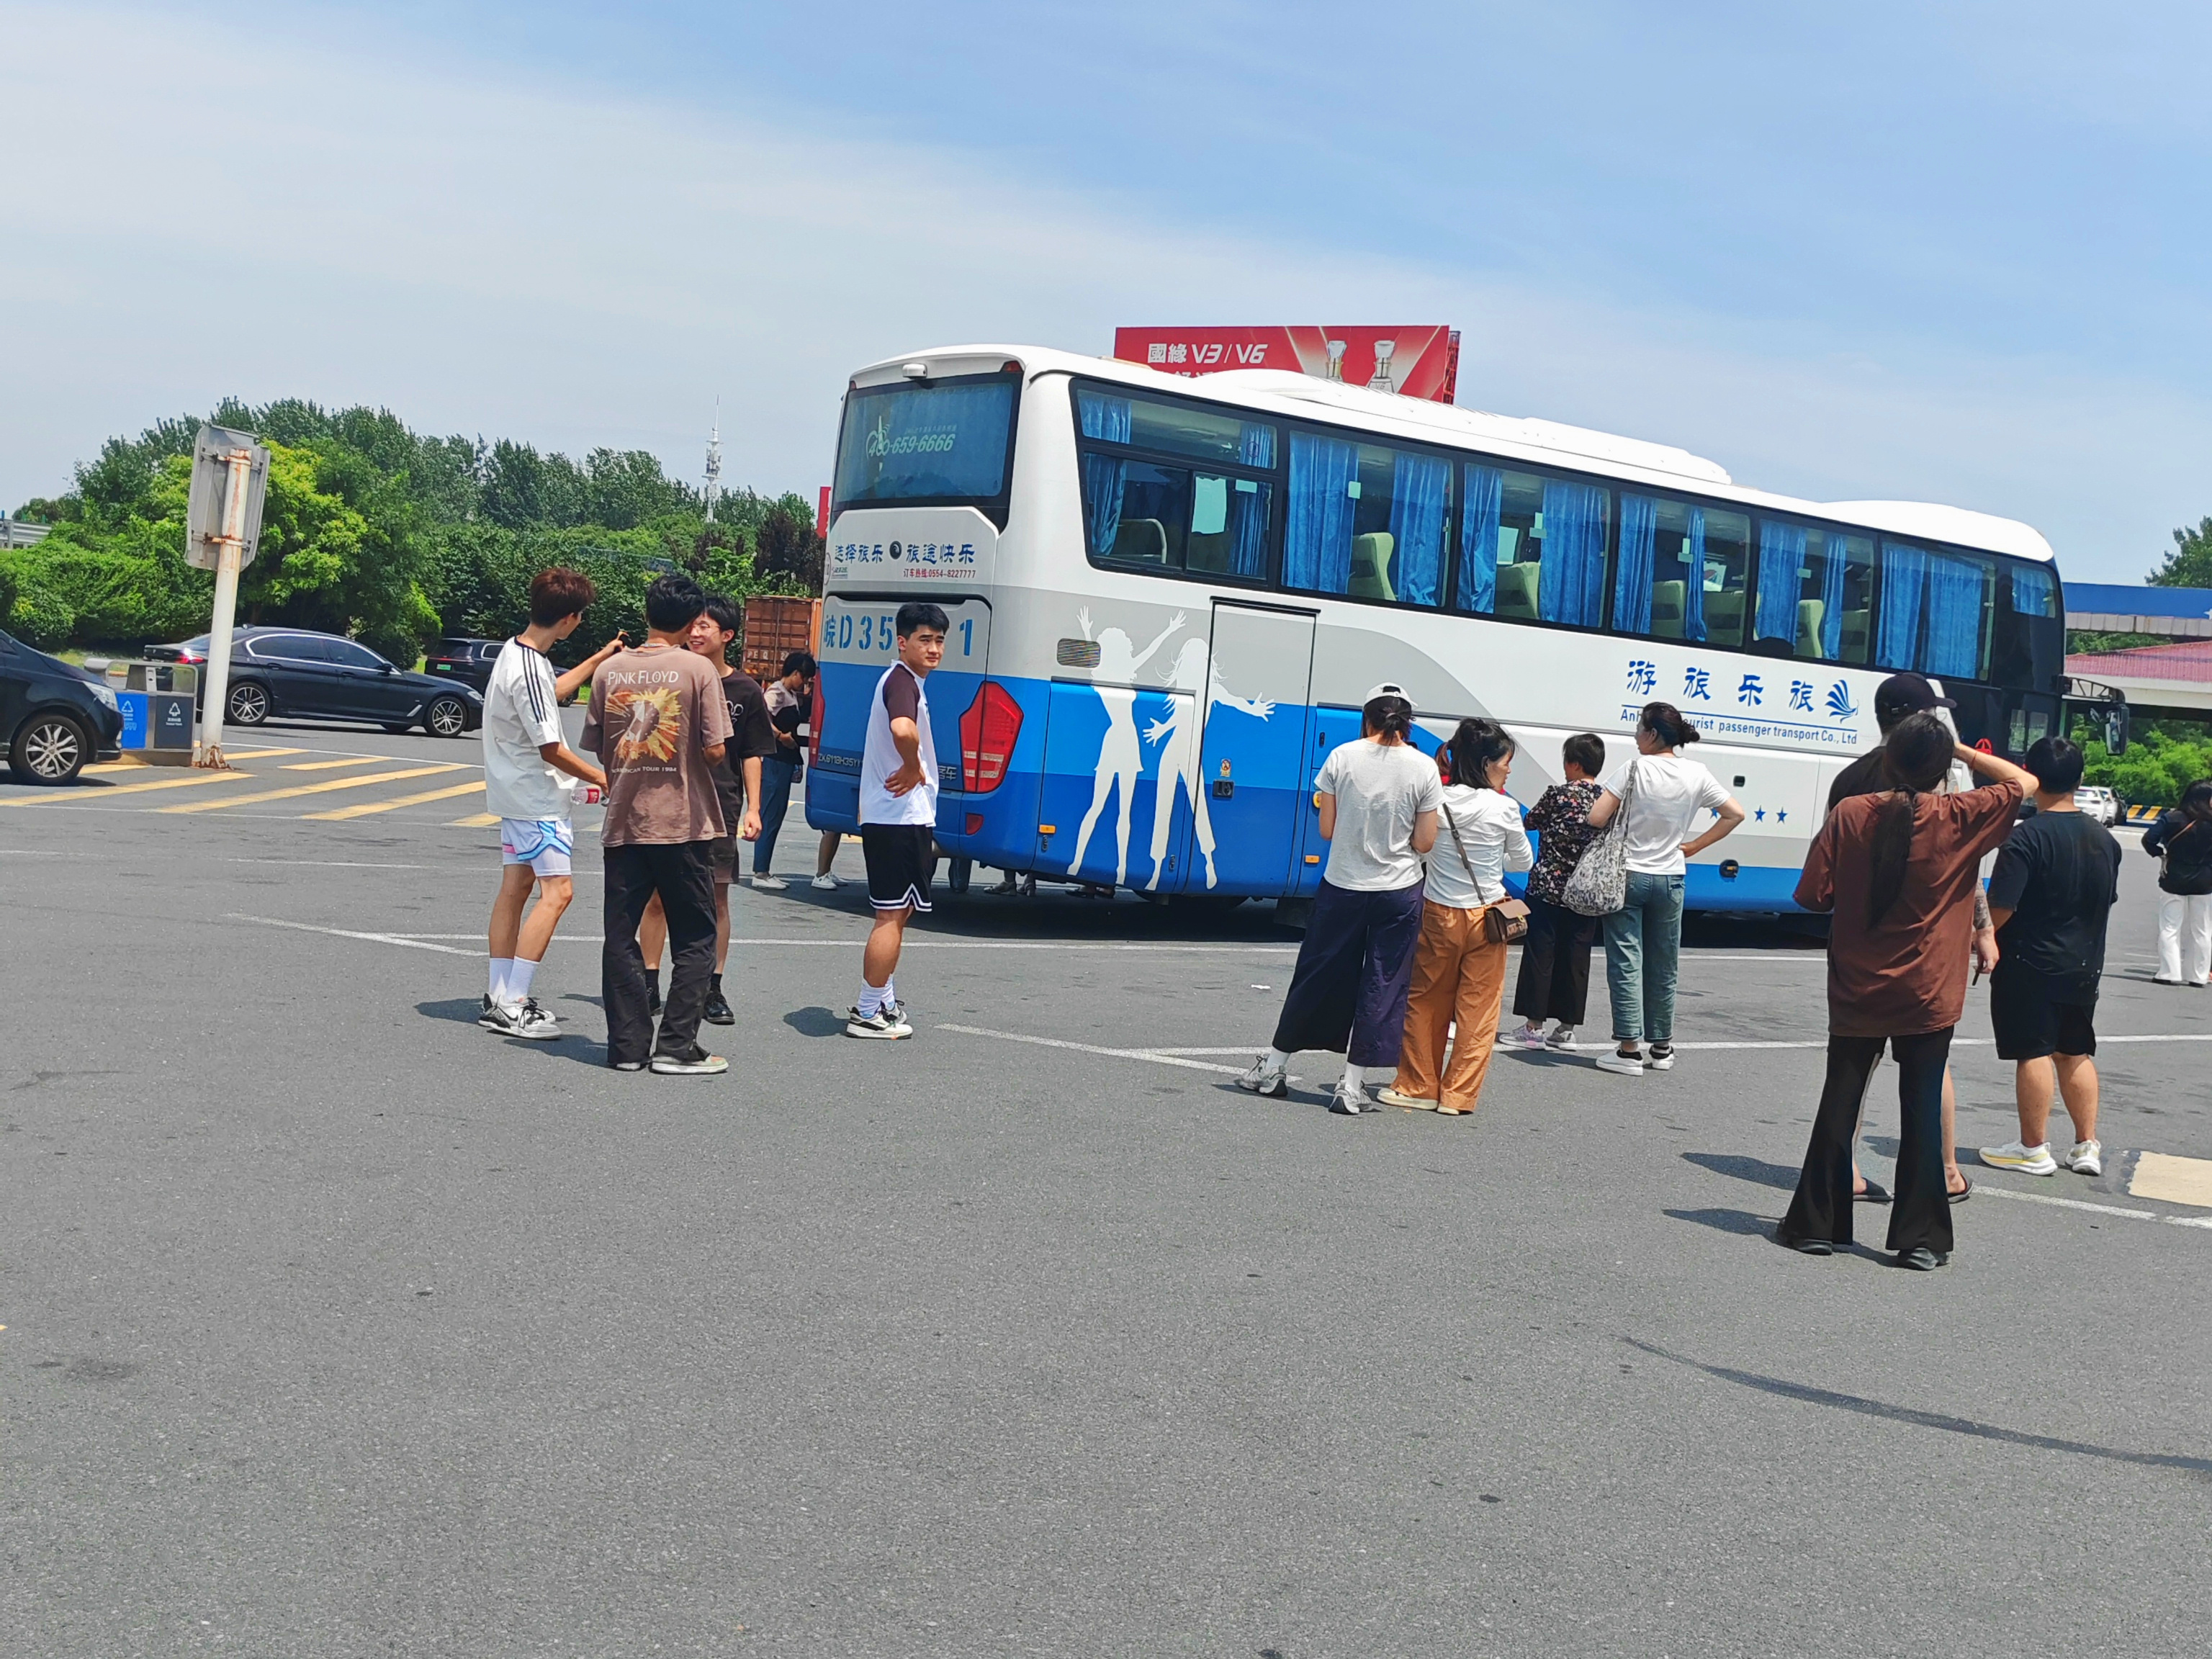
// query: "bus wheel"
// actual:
[[957, 871]]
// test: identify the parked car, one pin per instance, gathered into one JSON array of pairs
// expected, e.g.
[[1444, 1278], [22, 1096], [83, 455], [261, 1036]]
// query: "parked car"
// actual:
[[2099, 802], [468, 661], [289, 672], [54, 716]]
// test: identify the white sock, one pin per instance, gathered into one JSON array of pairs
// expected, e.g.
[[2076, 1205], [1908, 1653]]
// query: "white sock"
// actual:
[[517, 978], [1355, 1077], [1277, 1061], [890, 990], [501, 967], [872, 999]]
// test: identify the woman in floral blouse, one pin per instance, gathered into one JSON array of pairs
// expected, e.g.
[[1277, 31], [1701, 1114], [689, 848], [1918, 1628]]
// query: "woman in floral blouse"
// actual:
[[1555, 957]]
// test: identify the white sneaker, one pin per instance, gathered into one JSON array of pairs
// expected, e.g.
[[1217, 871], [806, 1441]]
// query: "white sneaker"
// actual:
[[1262, 1078], [1390, 1096], [883, 1026], [2029, 1160], [697, 1062], [826, 883], [1350, 1099], [2086, 1159], [1563, 1038], [1625, 1065], [769, 884], [531, 1021], [1520, 1036], [1660, 1058]]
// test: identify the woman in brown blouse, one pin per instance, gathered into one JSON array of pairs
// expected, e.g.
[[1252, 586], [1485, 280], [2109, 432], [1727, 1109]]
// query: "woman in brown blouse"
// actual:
[[1898, 869]]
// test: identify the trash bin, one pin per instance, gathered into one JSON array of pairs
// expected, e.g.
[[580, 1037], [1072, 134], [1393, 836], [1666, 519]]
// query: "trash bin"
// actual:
[[156, 700]]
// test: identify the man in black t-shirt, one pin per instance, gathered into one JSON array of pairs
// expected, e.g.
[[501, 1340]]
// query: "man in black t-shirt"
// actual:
[[2051, 896]]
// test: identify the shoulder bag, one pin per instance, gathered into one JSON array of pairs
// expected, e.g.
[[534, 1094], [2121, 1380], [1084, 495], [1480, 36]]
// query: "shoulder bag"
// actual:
[[1599, 885], [1504, 923]]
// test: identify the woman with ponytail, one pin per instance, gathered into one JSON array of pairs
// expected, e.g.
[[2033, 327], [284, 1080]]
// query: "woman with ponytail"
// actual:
[[1377, 800], [1898, 869]]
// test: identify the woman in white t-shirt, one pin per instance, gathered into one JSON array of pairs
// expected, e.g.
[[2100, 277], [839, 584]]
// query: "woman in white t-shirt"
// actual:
[[1644, 938], [1459, 971], [1377, 800]]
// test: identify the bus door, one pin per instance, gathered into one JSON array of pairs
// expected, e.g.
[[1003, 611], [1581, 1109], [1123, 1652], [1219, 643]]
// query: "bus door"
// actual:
[[1248, 801]]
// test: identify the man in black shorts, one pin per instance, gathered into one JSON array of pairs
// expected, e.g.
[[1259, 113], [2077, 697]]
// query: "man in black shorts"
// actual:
[[2051, 895], [898, 814]]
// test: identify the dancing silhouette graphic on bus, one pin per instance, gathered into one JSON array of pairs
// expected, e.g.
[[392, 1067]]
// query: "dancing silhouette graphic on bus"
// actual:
[[1121, 757], [1183, 730]]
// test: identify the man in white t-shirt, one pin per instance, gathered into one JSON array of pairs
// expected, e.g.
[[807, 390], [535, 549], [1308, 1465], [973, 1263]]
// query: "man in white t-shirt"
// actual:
[[529, 774], [898, 814]]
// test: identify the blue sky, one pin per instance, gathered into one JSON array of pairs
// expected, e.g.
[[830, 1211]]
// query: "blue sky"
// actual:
[[1945, 252]]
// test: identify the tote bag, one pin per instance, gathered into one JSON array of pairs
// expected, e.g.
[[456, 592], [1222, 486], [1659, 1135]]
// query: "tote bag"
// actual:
[[1599, 885]]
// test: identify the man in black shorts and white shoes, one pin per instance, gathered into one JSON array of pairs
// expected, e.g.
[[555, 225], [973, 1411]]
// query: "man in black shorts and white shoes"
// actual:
[[898, 815], [2051, 893]]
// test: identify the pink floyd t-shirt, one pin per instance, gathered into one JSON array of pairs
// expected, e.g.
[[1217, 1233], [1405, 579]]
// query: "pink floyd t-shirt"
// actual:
[[654, 711]]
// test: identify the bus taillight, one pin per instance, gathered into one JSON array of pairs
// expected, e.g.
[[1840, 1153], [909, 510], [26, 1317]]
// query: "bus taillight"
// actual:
[[987, 732]]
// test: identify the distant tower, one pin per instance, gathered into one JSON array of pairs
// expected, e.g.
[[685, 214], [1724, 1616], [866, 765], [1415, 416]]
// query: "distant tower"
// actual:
[[713, 490]]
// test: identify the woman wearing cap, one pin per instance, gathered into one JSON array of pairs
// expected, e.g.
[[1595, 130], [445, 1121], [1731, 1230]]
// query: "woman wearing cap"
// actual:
[[1898, 871], [1643, 938], [1459, 968], [1378, 799]]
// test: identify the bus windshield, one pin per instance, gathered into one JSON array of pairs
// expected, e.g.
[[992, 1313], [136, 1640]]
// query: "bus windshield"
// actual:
[[907, 444]]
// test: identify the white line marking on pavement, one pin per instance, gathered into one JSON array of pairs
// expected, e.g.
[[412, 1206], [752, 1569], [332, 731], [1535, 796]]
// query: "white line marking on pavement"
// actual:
[[2097, 1209], [914, 944], [1151, 1054], [343, 932], [349, 863]]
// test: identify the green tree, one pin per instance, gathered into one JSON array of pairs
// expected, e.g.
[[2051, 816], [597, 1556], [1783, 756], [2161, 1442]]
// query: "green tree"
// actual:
[[2190, 564]]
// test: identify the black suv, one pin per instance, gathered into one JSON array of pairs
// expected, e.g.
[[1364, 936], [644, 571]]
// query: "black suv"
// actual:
[[289, 673], [466, 660], [53, 717]]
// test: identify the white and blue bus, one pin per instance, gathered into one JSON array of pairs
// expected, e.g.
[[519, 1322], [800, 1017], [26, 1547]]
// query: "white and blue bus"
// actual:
[[1168, 596]]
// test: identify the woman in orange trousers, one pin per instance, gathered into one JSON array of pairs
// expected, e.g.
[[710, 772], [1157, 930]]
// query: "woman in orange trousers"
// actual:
[[1459, 971]]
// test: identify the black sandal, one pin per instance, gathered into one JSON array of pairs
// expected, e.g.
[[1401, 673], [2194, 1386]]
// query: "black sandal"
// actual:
[[1964, 1193], [1873, 1193]]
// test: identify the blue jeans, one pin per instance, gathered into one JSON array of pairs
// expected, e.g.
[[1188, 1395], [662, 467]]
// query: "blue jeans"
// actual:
[[1643, 957], [776, 773]]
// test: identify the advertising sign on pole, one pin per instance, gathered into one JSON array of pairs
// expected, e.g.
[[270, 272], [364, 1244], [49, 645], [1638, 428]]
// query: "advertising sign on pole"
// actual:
[[1413, 360], [222, 531]]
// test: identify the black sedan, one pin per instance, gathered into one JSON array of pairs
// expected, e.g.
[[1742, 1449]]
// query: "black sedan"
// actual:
[[468, 661], [278, 673], [53, 717]]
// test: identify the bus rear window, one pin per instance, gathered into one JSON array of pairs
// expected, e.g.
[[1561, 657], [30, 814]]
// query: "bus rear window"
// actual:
[[909, 444]]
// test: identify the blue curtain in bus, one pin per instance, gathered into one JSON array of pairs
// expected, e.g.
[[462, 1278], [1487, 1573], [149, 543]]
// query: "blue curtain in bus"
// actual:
[[2032, 592], [1317, 525], [1693, 574], [1478, 540], [1832, 596], [1571, 585], [1418, 487], [1781, 559], [1904, 574], [1955, 618], [1103, 474], [1631, 584], [1247, 509]]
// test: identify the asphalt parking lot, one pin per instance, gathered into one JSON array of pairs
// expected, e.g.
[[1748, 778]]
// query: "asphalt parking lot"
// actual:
[[336, 1325]]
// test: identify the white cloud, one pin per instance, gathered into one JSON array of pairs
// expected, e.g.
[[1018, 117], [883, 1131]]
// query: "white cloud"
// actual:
[[200, 212]]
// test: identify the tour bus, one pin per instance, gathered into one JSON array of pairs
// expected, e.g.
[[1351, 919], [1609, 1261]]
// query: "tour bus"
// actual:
[[1168, 595]]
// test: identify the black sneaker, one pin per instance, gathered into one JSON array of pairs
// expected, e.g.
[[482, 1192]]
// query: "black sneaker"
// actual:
[[694, 1062], [718, 1011], [505, 1021]]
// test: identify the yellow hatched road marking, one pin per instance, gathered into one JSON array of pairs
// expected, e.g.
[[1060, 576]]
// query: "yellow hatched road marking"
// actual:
[[262, 754], [184, 783], [305, 789], [325, 766], [114, 766], [481, 821], [366, 807]]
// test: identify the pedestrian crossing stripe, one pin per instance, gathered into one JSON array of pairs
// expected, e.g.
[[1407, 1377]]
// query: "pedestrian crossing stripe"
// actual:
[[365, 808], [65, 797], [326, 766], [305, 789], [481, 821], [261, 754]]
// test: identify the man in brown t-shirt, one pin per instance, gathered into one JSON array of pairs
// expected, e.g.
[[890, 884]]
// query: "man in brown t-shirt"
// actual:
[[659, 724]]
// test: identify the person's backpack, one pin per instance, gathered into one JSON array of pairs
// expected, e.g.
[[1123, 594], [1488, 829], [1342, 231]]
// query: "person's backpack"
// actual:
[[1599, 885]]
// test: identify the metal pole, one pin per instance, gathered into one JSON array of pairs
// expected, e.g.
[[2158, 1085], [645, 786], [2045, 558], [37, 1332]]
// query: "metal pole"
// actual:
[[228, 544]]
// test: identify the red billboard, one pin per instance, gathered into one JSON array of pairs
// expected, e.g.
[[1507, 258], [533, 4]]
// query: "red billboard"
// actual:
[[1414, 362]]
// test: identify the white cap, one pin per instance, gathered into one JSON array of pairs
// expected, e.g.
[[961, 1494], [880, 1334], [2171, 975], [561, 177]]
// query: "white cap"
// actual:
[[1385, 690]]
